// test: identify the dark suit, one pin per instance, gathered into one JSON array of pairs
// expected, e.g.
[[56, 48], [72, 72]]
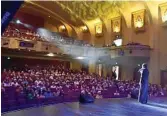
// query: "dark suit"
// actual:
[[143, 92]]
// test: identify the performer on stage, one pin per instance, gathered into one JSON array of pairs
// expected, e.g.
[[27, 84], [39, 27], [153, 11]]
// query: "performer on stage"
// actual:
[[143, 91]]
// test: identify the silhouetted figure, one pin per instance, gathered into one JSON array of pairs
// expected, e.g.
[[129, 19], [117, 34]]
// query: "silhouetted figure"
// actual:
[[114, 75], [143, 91]]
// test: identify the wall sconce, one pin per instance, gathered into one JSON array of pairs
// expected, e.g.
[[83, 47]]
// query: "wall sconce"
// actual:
[[138, 19], [163, 10], [116, 25], [62, 28], [84, 29], [118, 42], [99, 29]]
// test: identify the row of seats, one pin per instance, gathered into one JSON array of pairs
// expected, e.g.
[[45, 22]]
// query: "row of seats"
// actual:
[[44, 84]]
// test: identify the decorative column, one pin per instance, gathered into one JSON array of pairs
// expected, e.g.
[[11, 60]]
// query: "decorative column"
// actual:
[[75, 65], [105, 70], [154, 63]]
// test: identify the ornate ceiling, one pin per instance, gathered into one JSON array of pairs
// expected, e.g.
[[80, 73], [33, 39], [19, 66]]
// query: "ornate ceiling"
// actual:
[[89, 10], [79, 13]]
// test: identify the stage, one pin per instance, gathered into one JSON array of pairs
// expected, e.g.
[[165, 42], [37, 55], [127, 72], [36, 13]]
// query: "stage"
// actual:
[[101, 107]]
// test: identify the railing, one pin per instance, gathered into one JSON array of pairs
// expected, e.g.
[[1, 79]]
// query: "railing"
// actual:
[[131, 50], [82, 51]]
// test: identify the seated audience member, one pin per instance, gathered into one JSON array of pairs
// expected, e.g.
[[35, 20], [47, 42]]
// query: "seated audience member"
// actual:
[[46, 81], [48, 94], [116, 93], [99, 95]]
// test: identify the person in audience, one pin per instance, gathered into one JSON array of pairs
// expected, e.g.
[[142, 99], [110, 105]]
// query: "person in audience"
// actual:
[[99, 95], [47, 81]]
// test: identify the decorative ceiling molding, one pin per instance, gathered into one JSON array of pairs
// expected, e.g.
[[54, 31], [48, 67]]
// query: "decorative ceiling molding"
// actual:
[[74, 14]]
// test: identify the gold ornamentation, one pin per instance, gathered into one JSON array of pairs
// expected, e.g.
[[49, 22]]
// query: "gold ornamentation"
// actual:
[[99, 29], [163, 9], [116, 25], [138, 19]]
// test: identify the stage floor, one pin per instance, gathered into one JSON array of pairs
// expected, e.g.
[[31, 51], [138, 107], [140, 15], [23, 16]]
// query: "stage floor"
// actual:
[[101, 107]]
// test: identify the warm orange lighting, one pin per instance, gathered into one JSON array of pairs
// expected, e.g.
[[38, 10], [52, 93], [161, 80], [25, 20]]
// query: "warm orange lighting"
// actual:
[[116, 24], [98, 29], [62, 27], [164, 18], [163, 9], [116, 29], [138, 19], [84, 28], [139, 24]]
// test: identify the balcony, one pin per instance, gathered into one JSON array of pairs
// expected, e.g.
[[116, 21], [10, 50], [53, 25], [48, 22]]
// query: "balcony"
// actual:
[[130, 51]]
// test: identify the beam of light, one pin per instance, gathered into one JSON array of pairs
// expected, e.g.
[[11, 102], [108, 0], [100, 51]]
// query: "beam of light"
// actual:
[[152, 107], [158, 105], [74, 50], [80, 57]]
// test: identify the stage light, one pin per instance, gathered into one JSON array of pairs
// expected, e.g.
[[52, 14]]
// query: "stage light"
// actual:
[[62, 27], [8, 58], [18, 21], [50, 54], [84, 28], [80, 58], [118, 42]]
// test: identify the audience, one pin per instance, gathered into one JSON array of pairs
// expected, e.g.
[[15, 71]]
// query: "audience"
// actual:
[[22, 32], [43, 82]]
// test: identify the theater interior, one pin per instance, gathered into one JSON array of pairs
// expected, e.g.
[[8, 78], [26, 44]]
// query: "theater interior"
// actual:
[[52, 51]]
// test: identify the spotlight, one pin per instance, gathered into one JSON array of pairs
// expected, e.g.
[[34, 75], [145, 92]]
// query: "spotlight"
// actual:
[[50, 54], [84, 28], [62, 27], [80, 58], [18, 21], [8, 58]]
